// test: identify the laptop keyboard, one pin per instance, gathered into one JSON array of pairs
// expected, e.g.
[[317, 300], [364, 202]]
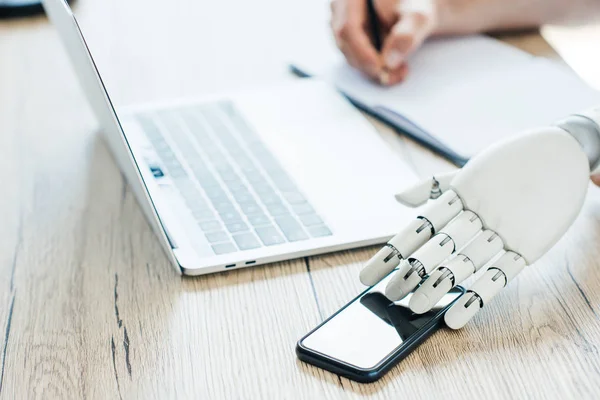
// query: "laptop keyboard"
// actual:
[[238, 193]]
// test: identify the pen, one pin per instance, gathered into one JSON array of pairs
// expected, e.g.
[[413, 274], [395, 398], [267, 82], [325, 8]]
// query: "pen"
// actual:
[[389, 117], [374, 23], [399, 123]]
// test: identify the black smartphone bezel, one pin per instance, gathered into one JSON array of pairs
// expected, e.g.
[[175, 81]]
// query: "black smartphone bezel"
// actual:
[[370, 375]]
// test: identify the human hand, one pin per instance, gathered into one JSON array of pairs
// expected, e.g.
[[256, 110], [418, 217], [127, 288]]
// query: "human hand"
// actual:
[[404, 25]]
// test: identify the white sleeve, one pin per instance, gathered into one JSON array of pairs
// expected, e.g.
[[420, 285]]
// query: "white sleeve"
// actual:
[[585, 128], [592, 113]]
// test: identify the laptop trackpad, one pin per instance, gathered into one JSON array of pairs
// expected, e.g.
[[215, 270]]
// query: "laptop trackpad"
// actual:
[[332, 151]]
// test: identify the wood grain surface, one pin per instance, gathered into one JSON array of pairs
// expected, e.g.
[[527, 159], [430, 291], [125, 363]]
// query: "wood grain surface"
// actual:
[[90, 307]]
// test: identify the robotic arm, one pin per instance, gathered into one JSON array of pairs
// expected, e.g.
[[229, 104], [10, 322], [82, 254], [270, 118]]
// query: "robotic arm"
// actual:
[[503, 210]]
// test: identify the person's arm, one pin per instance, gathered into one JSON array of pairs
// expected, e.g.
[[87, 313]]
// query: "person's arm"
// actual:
[[406, 24], [468, 16]]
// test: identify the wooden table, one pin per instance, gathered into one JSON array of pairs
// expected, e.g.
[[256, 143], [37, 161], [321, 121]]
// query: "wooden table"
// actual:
[[90, 307]]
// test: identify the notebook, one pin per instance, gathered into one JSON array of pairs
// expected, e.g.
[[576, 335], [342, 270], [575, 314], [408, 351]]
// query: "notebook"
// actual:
[[467, 92]]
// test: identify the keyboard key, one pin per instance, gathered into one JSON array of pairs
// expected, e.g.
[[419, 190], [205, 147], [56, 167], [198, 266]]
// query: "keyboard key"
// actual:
[[218, 236], [196, 163], [233, 147], [255, 178], [160, 145], [223, 248], [156, 171], [222, 166], [283, 183], [258, 147], [216, 194], [149, 126], [270, 198], [207, 226], [277, 209], [237, 227], [211, 149], [188, 190], [291, 228], [195, 203], [227, 108], [294, 198], [200, 168], [246, 241], [203, 215], [262, 188], [302, 209], [231, 180], [207, 181], [230, 217], [223, 206], [243, 197], [269, 235], [251, 170], [319, 231], [251, 208], [176, 172], [236, 186], [311, 220], [244, 161], [259, 220], [213, 152]]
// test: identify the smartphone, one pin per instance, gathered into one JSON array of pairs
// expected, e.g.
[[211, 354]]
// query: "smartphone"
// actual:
[[371, 334]]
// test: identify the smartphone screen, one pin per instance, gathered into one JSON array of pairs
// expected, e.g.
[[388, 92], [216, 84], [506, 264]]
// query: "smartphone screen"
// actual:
[[371, 328]]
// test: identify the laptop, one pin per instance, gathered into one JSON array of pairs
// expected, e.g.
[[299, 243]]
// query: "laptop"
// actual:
[[248, 178]]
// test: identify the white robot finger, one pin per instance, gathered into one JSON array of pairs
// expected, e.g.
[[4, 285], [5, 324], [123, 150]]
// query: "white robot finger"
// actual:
[[434, 217], [429, 189], [474, 256], [484, 289], [441, 246]]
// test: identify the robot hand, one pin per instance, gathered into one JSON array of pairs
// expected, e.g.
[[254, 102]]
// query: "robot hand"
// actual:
[[504, 209]]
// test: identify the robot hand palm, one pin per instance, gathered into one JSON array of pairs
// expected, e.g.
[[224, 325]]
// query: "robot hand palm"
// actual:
[[506, 208]]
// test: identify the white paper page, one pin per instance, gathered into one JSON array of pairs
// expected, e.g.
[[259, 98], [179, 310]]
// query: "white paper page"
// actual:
[[469, 92]]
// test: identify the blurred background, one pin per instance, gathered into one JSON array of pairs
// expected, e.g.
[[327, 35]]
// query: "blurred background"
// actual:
[[154, 50]]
